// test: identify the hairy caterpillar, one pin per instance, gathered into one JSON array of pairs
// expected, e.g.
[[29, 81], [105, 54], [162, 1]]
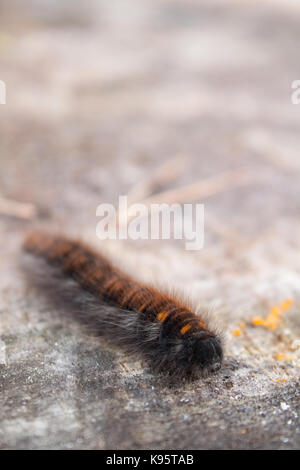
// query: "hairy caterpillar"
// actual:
[[159, 327]]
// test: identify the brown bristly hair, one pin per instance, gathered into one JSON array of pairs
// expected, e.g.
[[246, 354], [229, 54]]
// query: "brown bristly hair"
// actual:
[[159, 327]]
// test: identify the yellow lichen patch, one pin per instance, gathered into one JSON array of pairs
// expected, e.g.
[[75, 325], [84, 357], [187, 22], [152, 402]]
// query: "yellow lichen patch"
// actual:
[[256, 321], [273, 319], [282, 380], [280, 357], [286, 305], [236, 332]]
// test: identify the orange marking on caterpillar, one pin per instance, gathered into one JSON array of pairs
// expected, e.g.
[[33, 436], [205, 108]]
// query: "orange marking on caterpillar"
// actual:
[[162, 316], [185, 329]]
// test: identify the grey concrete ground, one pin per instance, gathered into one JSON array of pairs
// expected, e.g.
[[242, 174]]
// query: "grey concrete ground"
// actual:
[[99, 94]]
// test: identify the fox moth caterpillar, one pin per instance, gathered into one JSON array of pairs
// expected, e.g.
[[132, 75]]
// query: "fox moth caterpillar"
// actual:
[[158, 327]]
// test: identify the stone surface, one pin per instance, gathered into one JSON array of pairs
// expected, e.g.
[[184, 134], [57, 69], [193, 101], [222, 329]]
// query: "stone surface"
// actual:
[[99, 94]]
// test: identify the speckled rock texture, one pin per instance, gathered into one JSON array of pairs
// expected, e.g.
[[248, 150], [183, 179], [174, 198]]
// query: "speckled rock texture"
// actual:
[[99, 95]]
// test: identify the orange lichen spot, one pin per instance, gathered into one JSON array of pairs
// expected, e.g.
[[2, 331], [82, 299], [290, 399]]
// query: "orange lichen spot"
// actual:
[[185, 329], [282, 380], [162, 316], [244, 431], [256, 321], [273, 319], [286, 305], [281, 357], [275, 312], [236, 332]]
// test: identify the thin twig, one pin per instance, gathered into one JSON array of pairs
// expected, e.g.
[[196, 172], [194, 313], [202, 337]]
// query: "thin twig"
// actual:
[[199, 190], [164, 175], [21, 210]]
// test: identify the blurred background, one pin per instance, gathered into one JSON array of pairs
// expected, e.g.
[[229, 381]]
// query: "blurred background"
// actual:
[[100, 96]]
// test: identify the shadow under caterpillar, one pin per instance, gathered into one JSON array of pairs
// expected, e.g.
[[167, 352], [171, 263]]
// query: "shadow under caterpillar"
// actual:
[[158, 327]]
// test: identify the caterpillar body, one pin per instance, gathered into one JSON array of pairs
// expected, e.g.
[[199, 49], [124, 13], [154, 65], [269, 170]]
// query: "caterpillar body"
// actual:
[[159, 327]]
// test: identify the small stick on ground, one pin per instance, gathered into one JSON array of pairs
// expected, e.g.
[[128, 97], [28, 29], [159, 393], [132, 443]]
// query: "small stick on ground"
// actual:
[[21, 210], [164, 175], [197, 191]]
